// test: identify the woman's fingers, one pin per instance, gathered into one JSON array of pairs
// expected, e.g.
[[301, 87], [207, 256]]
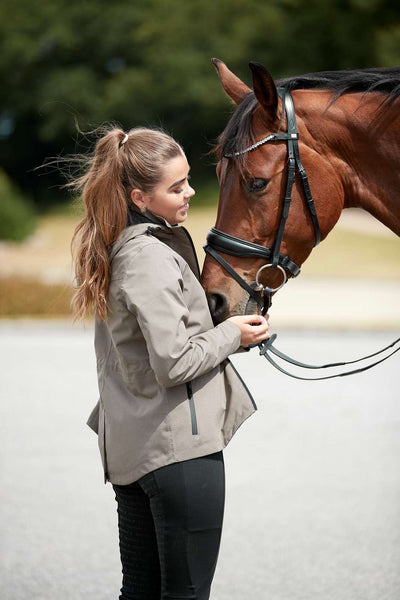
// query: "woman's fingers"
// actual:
[[259, 332], [253, 319], [253, 328]]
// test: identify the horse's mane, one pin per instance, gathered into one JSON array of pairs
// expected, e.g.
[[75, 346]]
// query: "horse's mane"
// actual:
[[385, 80], [238, 133]]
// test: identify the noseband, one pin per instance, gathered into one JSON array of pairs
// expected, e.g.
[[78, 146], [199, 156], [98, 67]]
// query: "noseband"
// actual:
[[219, 241]]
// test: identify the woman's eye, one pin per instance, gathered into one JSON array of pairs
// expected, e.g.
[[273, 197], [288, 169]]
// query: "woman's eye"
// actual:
[[257, 185]]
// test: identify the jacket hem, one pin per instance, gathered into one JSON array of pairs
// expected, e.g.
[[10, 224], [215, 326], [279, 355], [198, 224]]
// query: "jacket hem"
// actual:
[[144, 468]]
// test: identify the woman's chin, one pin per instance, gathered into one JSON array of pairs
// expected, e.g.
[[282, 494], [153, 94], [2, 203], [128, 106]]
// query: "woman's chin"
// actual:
[[181, 216]]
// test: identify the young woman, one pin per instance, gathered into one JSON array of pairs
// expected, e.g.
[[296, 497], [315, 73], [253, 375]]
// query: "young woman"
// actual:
[[170, 401]]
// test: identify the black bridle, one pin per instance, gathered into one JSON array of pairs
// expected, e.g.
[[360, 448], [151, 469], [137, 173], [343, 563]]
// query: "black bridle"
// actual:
[[219, 241]]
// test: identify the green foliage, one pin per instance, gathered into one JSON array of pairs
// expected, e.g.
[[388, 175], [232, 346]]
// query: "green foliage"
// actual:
[[148, 63], [16, 213]]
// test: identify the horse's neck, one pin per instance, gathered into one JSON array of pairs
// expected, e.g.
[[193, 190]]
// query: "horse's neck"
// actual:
[[364, 145]]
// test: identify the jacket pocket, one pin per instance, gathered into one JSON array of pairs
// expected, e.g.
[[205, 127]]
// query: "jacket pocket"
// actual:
[[192, 408]]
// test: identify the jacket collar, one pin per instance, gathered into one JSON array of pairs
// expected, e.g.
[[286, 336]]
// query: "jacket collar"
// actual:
[[176, 237], [135, 217], [137, 224]]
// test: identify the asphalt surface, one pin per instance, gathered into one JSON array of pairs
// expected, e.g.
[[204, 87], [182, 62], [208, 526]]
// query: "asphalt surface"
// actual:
[[313, 478]]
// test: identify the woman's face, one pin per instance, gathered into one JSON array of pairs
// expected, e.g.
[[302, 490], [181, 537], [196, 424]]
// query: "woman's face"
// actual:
[[170, 198]]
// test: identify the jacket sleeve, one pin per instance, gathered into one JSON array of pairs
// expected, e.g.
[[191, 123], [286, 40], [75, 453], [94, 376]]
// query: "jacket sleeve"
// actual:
[[153, 289]]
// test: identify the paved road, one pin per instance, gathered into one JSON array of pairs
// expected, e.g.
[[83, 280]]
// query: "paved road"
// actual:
[[313, 508]]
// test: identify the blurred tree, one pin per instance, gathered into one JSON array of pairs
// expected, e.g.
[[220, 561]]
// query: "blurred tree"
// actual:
[[17, 219], [148, 63]]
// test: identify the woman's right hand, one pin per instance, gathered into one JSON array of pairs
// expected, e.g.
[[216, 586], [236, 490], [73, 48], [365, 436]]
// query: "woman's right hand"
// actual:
[[254, 328]]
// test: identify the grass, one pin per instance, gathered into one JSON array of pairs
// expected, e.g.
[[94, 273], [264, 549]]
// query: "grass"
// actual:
[[355, 255], [36, 276], [25, 297]]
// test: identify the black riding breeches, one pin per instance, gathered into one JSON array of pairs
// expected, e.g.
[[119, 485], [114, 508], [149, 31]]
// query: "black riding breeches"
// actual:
[[170, 524]]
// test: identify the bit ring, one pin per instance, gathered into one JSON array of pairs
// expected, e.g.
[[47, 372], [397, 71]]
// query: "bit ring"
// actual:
[[259, 286]]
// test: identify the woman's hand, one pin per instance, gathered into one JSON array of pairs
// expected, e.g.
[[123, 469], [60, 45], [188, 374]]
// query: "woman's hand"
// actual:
[[254, 328]]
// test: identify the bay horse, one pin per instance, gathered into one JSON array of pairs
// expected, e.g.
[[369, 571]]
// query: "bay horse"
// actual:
[[328, 141]]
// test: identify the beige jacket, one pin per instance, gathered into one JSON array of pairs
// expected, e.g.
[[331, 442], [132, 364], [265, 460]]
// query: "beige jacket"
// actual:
[[167, 392]]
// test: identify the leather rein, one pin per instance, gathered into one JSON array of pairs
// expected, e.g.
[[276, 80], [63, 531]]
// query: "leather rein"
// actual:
[[219, 241]]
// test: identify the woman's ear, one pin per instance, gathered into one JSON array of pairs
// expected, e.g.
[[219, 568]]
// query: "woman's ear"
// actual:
[[138, 200]]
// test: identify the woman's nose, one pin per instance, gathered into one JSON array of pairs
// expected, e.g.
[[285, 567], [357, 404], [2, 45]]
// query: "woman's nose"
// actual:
[[190, 192]]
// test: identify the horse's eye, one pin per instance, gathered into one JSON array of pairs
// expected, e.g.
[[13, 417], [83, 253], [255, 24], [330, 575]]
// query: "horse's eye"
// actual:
[[257, 185]]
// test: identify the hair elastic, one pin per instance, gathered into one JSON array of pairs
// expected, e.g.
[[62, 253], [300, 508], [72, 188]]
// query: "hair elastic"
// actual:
[[122, 142]]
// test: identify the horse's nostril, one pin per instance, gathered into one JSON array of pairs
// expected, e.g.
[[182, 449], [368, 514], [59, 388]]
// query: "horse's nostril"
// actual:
[[218, 307]]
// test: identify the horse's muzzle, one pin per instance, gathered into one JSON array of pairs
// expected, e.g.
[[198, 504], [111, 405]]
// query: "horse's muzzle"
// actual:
[[219, 307]]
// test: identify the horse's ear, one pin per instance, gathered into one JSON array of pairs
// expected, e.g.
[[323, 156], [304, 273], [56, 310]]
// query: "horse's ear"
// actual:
[[265, 89], [233, 86]]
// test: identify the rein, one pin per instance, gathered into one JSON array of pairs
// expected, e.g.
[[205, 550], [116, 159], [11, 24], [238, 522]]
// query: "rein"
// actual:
[[219, 241], [267, 346]]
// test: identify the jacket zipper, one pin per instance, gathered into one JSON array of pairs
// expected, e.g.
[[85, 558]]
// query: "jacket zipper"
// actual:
[[192, 407]]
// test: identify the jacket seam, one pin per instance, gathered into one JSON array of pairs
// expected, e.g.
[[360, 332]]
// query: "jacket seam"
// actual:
[[243, 383]]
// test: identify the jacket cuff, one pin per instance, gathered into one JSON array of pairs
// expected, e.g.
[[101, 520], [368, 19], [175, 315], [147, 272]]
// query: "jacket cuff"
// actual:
[[231, 332]]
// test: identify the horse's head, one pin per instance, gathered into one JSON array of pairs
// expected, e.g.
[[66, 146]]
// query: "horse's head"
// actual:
[[252, 190]]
